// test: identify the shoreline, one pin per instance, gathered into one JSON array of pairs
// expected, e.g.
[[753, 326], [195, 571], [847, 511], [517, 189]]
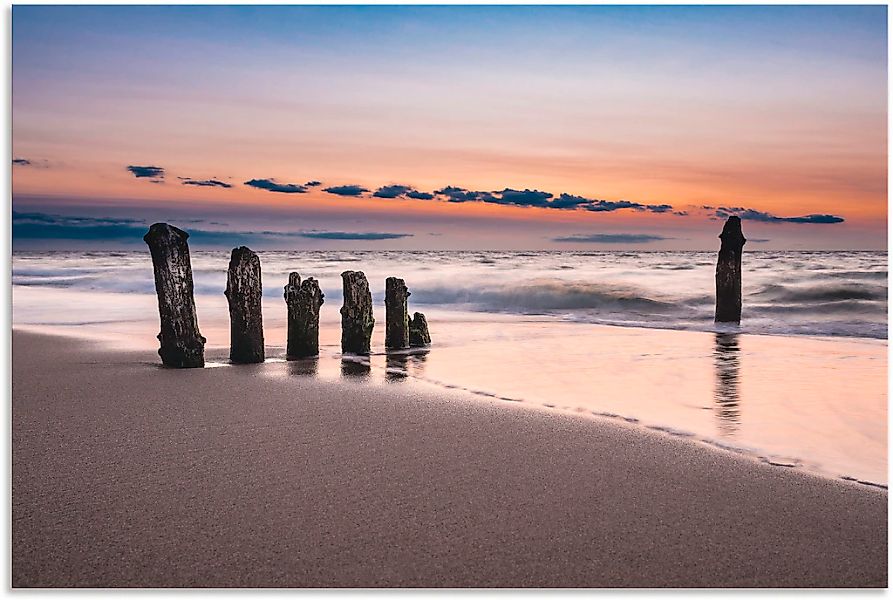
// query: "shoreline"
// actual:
[[266, 477], [382, 361]]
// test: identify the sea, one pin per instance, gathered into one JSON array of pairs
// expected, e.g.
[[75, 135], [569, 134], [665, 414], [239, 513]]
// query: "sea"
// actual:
[[800, 383]]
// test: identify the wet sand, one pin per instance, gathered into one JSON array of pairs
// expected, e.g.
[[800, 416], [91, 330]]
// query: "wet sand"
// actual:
[[126, 474]]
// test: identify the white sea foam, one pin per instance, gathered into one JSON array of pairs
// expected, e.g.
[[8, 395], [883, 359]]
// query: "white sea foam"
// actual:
[[785, 293]]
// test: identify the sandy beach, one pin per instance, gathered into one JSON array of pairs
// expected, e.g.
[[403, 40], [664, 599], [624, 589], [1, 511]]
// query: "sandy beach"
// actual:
[[127, 474]]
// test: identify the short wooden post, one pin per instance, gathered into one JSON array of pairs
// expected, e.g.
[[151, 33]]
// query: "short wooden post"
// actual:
[[303, 299], [728, 273], [418, 331], [182, 344], [357, 321], [244, 293], [396, 317]]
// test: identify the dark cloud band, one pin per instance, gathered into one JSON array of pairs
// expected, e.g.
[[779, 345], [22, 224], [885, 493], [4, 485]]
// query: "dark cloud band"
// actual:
[[346, 190], [611, 238], [205, 182], [272, 186], [31, 226], [149, 172], [749, 214]]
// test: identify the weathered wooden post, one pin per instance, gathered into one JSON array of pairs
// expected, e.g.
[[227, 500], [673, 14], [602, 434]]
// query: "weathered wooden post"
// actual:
[[303, 299], [396, 317], [418, 331], [728, 273], [182, 344], [356, 314], [244, 293]]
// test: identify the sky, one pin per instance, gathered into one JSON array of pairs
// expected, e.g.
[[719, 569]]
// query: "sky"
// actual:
[[455, 127]]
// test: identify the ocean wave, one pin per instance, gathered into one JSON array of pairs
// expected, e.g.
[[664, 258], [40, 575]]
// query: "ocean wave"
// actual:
[[823, 293], [543, 295], [793, 292]]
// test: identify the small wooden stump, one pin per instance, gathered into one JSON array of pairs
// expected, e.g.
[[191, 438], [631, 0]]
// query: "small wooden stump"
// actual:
[[396, 316], [728, 273], [244, 293], [418, 331], [303, 300], [182, 344], [356, 314]]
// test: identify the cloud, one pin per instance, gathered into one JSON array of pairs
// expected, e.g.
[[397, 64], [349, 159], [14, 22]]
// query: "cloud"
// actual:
[[351, 235], [346, 190], [523, 197], [391, 191], [21, 162], [147, 172], [611, 238], [401, 191], [313, 183], [457, 194], [749, 214], [566, 201], [51, 219], [539, 199], [44, 229], [272, 186], [205, 182], [611, 206]]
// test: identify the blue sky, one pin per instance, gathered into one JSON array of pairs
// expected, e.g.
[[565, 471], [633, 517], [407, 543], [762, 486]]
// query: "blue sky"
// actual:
[[777, 110]]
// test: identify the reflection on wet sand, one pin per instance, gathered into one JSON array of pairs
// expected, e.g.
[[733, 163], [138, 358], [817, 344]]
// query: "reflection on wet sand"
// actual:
[[727, 390], [395, 367], [355, 368], [305, 367], [399, 366]]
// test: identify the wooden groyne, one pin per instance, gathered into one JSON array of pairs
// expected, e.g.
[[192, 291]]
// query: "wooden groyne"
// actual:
[[244, 293], [418, 331], [728, 273], [303, 299], [182, 344], [357, 321], [396, 295]]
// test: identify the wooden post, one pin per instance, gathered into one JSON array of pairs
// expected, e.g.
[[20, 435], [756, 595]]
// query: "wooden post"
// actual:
[[418, 331], [396, 318], [728, 273], [182, 344], [244, 292], [303, 300], [356, 314]]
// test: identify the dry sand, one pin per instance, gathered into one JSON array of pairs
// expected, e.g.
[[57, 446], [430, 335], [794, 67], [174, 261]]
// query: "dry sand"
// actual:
[[126, 474]]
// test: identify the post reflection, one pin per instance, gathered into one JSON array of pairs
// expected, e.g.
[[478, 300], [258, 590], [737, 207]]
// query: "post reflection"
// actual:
[[355, 368], [304, 367], [395, 367], [727, 361], [401, 365]]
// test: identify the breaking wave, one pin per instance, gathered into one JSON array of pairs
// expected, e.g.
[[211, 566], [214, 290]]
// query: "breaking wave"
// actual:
[[785, 293]]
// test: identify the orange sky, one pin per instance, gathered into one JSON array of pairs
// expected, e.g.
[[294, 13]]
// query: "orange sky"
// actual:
[[783, 115]]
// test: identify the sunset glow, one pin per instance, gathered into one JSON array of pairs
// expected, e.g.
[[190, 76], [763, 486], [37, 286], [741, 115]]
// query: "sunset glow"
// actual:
[[776, 110]]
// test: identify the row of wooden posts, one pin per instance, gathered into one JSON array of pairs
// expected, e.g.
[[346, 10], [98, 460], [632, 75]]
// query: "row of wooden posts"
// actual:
[[182, 345]]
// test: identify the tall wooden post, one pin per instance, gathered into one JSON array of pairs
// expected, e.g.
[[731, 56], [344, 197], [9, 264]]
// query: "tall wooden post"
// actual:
[[728, 273], [356, 314], [303, 299], [244, 293], [182, 344], [396, 315]]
